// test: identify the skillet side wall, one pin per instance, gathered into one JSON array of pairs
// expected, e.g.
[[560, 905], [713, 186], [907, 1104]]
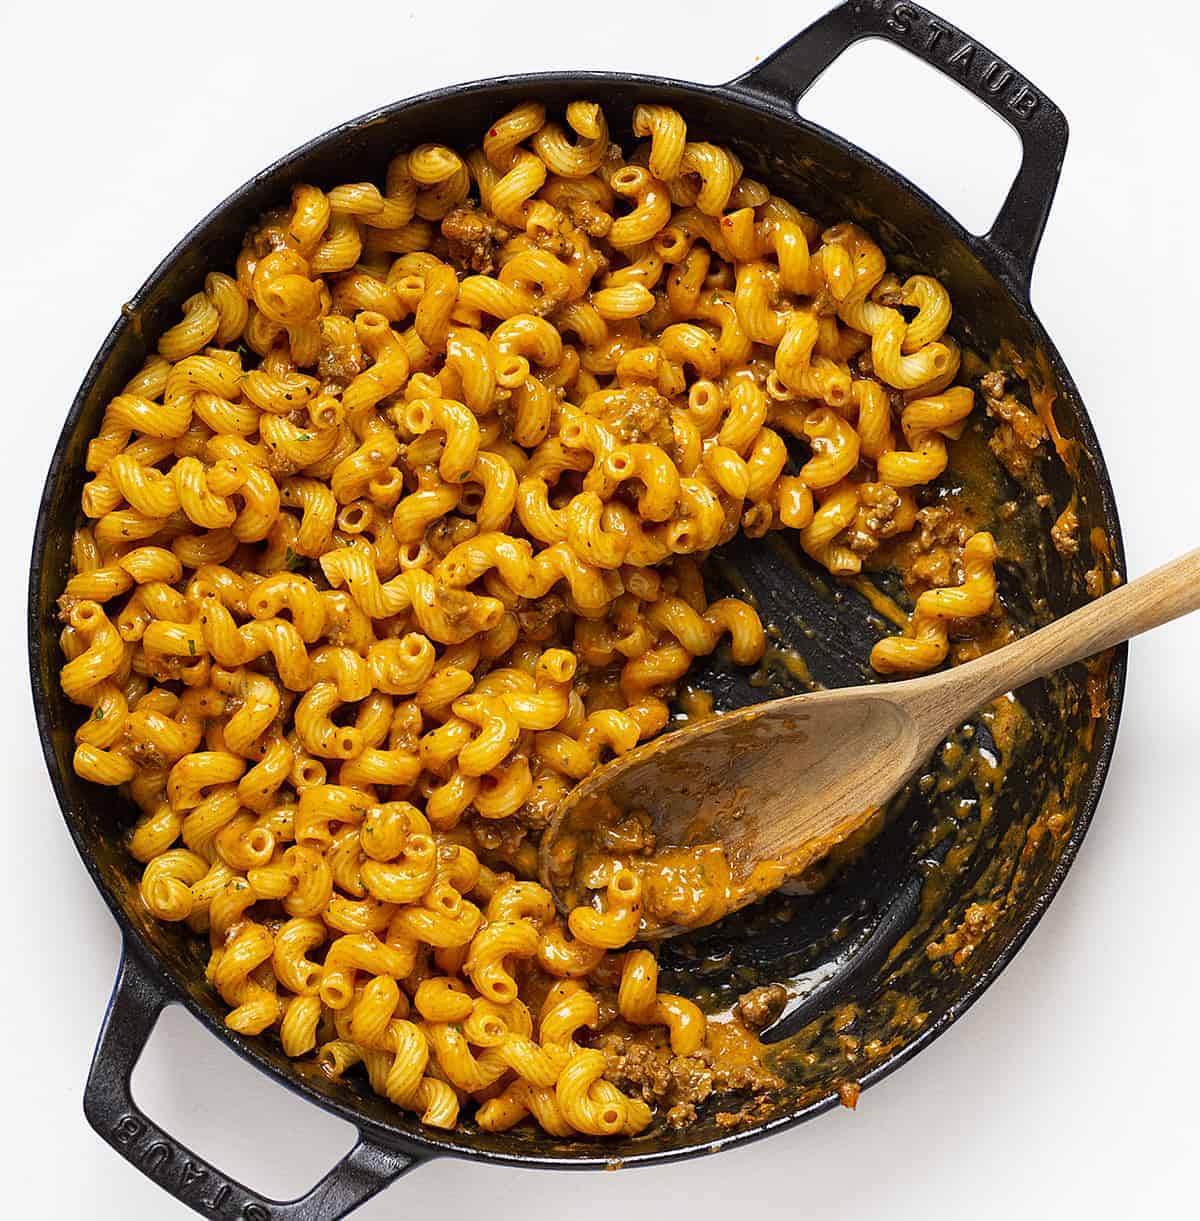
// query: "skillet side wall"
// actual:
[[826, 177]]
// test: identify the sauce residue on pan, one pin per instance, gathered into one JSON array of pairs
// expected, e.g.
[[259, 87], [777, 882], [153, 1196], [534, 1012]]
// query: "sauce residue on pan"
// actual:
[[976, 871]]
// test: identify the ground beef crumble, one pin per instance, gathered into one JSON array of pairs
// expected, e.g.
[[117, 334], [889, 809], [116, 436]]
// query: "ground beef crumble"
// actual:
[[1019, 431], [681, 1114], [761, 1006], [590, 217], [939, 541], [540, 806], [873, 522], [978, 920], [848, 1093], [642, 415], [992, 385], [1064, 534], [641, 1063], [339, 366], [650, 1070], [473, 236]]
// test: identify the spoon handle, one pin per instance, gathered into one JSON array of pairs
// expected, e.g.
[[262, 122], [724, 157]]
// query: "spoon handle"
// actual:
[[1147, 602]]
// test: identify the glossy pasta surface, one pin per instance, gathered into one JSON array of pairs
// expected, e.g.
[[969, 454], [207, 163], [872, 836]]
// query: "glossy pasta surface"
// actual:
[[399, 536]]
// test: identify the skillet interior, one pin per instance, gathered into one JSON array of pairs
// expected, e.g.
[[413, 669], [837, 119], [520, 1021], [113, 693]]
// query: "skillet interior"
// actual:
[[840, 936]]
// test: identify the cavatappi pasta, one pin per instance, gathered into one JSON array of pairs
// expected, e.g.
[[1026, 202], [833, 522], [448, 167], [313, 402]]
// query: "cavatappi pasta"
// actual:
[[398, 535]]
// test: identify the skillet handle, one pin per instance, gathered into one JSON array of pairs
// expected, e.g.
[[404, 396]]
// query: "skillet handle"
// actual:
[[137, 1000], [784, 77]]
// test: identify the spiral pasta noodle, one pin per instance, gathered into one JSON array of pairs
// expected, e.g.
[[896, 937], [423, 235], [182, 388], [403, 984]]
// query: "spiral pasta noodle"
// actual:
[[397, 535]]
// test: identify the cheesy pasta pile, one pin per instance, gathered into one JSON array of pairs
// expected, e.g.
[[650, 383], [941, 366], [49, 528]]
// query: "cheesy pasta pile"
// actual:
[[399, 535]]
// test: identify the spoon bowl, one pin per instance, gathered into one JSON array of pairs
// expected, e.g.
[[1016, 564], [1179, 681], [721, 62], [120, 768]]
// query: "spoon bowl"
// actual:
[[727, 810]]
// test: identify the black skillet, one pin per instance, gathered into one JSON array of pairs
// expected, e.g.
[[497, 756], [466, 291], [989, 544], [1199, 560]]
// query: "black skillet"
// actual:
[[855, 954]]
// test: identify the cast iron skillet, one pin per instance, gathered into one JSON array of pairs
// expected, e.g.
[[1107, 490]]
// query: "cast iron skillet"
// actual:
[[845, 946]]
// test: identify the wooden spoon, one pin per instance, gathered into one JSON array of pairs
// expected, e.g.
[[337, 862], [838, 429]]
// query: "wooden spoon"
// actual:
[[780, 783]]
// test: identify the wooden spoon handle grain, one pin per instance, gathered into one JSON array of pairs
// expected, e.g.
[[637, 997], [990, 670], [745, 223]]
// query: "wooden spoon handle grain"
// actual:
[[1147, 602]]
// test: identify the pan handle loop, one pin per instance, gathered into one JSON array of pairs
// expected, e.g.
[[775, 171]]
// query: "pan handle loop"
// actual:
[[784, 77], [137, 1000]]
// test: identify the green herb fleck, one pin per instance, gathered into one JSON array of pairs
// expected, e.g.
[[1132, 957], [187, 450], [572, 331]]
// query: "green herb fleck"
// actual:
[[191, 646], [292, 561], [306, 436], [98, 715]]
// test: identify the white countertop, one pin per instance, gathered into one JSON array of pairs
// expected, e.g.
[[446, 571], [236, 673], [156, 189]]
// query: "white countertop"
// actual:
[[1068, 1090]]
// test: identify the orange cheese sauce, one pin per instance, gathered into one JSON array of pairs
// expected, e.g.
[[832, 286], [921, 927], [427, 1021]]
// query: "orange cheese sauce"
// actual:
[[683, 886]]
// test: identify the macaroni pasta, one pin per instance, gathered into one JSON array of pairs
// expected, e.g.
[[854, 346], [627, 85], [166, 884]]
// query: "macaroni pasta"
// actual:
[[397, 536]]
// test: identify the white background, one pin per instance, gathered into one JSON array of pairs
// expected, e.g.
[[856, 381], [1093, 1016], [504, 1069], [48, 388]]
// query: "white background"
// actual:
[[1068, 1091]]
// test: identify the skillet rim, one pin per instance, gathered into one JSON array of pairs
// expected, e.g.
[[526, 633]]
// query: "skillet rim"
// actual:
[[422, 1144]]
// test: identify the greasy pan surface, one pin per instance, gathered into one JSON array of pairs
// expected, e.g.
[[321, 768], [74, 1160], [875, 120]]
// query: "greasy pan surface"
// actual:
[[832, 948]]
